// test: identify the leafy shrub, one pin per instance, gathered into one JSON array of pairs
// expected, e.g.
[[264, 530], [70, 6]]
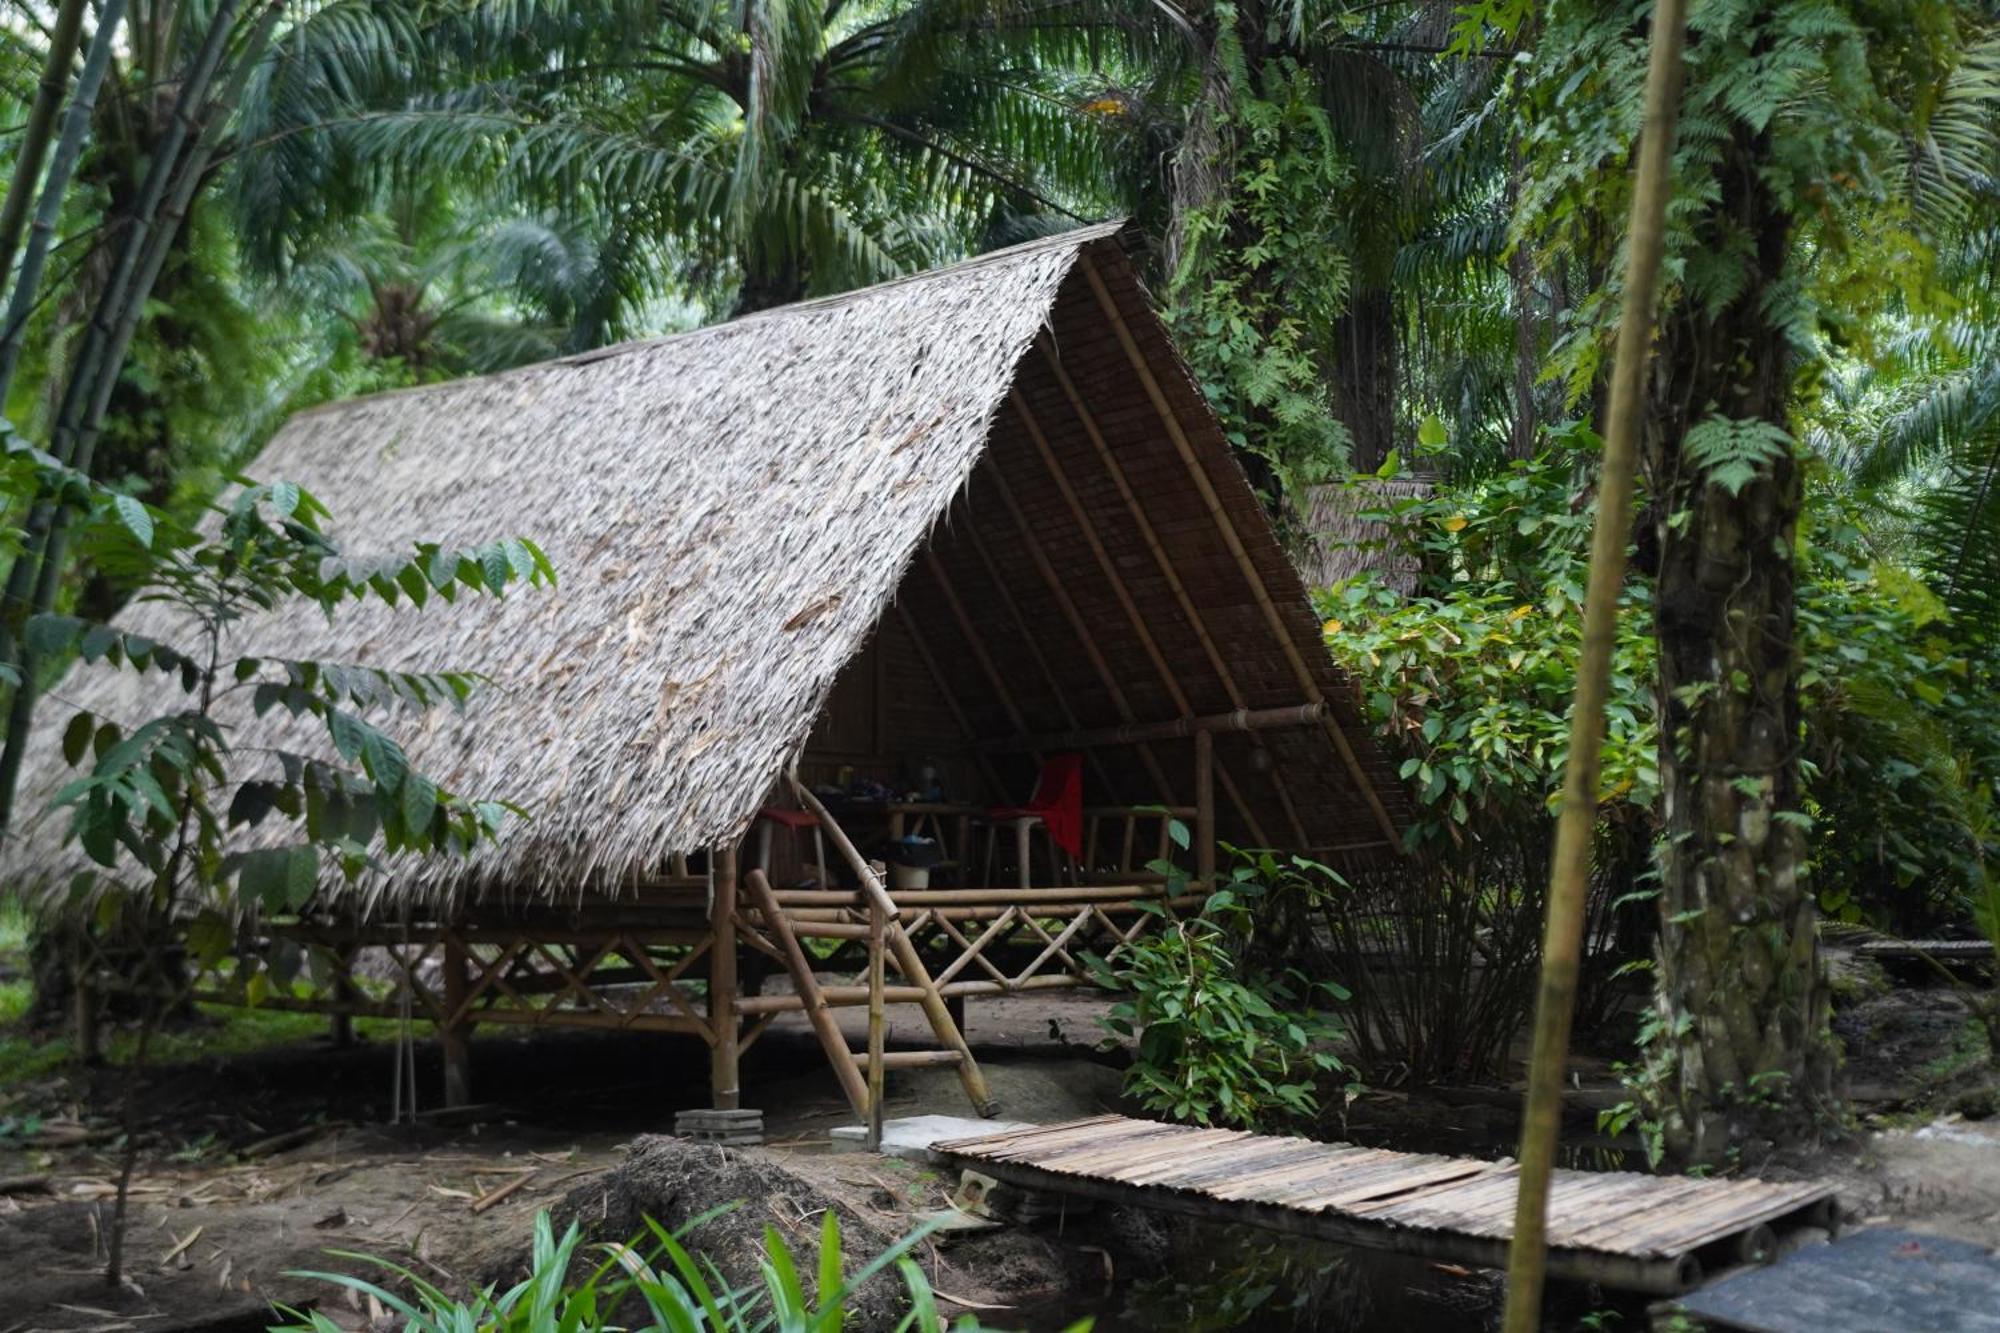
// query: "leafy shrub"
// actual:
[[672, 1289], [1222, 1039]]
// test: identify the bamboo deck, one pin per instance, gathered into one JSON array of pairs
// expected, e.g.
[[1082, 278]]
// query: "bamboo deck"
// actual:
[[1619, 1229]]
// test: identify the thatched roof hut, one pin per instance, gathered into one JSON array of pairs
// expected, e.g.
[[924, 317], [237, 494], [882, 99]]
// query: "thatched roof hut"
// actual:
[[968, 513], [1341, 543]]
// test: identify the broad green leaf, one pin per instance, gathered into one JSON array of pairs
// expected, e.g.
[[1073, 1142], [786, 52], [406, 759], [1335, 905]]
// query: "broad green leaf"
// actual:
[[135, 517]]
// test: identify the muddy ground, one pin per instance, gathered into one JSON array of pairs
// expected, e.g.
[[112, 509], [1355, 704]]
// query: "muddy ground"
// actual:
[[253, 1168]]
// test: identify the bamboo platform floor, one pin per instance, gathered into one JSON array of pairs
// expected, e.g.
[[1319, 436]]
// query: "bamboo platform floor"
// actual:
[[1622, 1230]]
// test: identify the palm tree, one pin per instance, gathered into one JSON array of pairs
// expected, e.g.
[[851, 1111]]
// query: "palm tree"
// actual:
[[788, 147]]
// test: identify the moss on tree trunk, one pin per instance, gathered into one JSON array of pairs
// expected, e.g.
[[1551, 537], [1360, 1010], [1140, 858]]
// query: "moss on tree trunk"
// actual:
[[1741, 1057]]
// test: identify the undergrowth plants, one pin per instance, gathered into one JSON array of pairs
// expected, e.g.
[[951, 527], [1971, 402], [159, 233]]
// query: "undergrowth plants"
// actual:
[[653, 1284], [1223, 1036]]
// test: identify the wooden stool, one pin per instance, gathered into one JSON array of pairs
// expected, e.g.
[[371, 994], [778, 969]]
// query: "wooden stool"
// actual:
[[794, 822], [1024, 827]]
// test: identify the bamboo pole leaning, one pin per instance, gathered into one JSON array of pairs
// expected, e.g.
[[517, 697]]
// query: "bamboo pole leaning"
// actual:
[[1569, 870]]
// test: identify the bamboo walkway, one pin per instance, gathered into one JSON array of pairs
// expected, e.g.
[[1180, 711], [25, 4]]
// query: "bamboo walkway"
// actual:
[[1619, 1229]]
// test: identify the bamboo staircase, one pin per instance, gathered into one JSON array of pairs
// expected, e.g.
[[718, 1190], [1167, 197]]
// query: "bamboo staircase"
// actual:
[[861, 1072]]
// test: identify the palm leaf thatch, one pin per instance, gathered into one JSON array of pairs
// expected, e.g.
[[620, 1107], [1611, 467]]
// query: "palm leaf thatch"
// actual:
[[732, 512]]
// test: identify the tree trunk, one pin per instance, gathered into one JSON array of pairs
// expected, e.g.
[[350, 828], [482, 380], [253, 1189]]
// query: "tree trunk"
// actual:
[[1365, 374], [1742, 1057]]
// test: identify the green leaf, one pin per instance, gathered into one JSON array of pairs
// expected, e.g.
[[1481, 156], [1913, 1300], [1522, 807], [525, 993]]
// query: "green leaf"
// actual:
[[136, 518], [419, 803], [76, 738]]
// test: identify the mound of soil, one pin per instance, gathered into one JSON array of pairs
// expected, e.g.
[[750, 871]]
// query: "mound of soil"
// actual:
[[675, 1181]]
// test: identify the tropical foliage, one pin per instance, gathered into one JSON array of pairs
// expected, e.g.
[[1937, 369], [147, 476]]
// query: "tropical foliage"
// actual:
[[1224, 1034], [1386, 235], [651, 1284]]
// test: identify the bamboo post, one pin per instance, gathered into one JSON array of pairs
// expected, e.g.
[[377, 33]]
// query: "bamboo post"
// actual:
[[725, 1052], [83, 1002], [340, 1027], [455, 1034], [1234, 542], [1569, 869], [810, 997], [1204, 809], [877, 1019]]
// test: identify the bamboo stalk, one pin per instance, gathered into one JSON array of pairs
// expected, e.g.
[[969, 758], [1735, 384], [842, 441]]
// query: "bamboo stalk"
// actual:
[[1569, 870], [39, 128]]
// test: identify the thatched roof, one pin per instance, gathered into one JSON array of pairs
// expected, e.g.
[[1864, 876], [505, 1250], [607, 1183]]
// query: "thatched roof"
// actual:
[[1342, 544], [731, 511]]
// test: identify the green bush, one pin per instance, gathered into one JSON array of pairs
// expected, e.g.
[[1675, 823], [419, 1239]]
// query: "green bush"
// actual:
[[674, 1290], [1221, 1038]]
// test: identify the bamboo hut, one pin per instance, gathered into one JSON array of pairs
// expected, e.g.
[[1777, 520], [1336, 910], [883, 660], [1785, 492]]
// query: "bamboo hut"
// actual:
[[833, 575]]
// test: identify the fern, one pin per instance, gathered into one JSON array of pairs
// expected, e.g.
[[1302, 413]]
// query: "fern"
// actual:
[[1733, 452]]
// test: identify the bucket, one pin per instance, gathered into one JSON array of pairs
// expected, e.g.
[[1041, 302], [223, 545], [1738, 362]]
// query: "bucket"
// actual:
[[909, 877]]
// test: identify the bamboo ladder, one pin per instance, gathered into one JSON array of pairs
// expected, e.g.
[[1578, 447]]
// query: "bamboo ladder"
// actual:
[[861, 1073]]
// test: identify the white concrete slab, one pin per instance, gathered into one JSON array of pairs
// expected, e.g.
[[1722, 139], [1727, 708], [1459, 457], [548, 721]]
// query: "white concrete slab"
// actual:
[[911, 1137]]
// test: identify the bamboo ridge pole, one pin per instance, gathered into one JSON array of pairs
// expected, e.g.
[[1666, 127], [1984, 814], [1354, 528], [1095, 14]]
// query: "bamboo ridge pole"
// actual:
[[1569, 869]]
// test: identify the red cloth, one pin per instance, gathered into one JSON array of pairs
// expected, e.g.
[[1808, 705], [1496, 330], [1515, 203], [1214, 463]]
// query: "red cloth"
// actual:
[[1057, 802]]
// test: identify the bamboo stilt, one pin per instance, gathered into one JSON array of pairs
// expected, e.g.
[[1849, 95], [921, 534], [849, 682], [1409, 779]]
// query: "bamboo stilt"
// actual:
[[725, 1054], [877, 1022], [1204, 804], [455, 1037], [1569, 870]]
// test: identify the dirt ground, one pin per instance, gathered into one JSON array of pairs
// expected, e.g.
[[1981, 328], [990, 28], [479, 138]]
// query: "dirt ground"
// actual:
[[255, 1167], [225, 1205]]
